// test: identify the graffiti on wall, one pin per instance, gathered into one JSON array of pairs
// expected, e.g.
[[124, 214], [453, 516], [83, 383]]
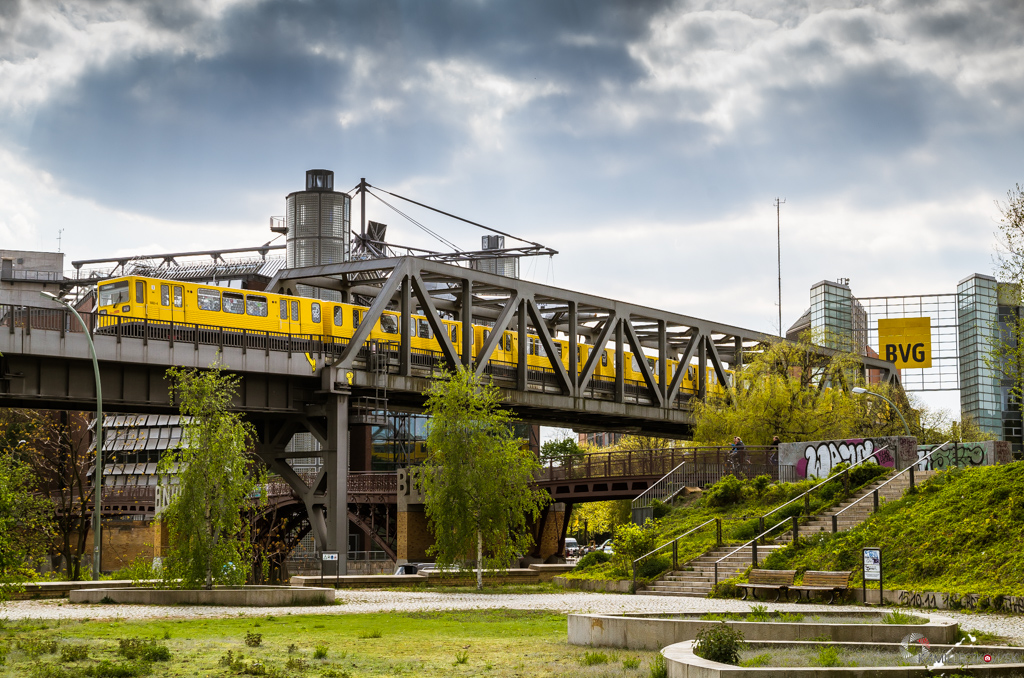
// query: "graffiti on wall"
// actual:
[[820, 458], [956, 454]]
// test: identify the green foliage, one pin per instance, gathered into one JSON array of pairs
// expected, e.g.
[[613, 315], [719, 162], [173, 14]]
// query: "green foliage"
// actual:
[[74, 653], [139, 570], [374, 633], [478, 477], [631, 662], [564, 451], [658, 668], [727, 491], [26, 521], [142, 649], [790, 617], [320, 652], [660, 509], [593, 658], [719, 643], [209, 542], [34, 647], [632, 541], [900, 617], [828, 655], [590, 560], [253, 639], [758, 613], [959, 534], [461, 658], [756, 661]]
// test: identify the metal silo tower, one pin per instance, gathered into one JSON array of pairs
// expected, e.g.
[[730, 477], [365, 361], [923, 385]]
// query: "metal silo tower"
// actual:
[[317, 221]]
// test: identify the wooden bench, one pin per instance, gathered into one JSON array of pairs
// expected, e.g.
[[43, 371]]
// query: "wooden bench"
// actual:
[[831, 582], [772, 580]]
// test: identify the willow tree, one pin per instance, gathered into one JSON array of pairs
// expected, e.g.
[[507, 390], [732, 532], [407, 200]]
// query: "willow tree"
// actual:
[[792, 390], [478, 477], [216, 480], [25, 523]]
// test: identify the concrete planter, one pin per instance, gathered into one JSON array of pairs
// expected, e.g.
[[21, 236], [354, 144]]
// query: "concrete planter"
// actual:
[[245, 596], [651, 633], [606, 585], [681, 662]]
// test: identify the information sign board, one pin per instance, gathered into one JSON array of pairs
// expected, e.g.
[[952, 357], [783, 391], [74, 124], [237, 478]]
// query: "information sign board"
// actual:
[[873, 564]]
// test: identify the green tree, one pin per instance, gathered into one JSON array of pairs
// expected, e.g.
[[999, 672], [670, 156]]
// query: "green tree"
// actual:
[[563, 451], [791, 390], [478, 477], [25, 522], [1007, 357], [209, 542]]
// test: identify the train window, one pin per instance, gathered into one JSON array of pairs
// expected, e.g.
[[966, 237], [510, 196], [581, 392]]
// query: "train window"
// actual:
[[455, 334], [114, 293], [234, 303], [355, 317], [255, 305], [339, 316], [388, 323], [178, 297], [634, 364], [424, 329], [208, 300], [558, 348], [295, 311], [653, 363], [508, 341], [284, 309], [485, 334], [314, 310], [165, 295], [140, 292], [604, 358]]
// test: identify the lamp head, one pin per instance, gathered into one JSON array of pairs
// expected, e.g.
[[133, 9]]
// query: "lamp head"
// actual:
[[858, 389], [49, 295]]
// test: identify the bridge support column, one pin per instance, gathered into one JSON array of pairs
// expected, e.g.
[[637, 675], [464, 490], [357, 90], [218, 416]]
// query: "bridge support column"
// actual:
[[336, 460]]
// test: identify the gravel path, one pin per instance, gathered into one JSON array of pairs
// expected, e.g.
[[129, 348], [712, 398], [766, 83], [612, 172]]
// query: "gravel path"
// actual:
[[360, 601]]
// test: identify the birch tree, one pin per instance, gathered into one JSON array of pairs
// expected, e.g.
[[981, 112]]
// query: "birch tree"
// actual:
[[478, 478], [217, 478]]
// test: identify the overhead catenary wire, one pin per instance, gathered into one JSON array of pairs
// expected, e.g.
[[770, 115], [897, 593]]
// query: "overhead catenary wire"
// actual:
[[413, 221]]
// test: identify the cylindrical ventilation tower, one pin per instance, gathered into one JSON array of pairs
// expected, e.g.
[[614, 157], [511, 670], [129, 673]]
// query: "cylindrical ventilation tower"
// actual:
[[318, 225]]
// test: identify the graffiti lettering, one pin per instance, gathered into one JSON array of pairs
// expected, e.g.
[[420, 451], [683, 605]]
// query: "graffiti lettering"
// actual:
[[820, 459], [958, 454], [918, 599]]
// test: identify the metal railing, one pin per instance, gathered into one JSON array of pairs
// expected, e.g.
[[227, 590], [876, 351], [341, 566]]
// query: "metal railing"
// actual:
[[675, 545], [806, 496], [875, 495], [666, 487]]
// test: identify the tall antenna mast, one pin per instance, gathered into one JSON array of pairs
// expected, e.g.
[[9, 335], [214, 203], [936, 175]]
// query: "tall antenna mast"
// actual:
[[60, 232], [778, 242]]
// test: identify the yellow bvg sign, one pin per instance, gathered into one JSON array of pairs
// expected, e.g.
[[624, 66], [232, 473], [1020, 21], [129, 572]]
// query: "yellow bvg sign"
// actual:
[[907, 342]]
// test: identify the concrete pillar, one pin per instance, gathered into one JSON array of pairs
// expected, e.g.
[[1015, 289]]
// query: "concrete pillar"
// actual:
[[414, 537], [551, 533], [336, 463], [360, 438]]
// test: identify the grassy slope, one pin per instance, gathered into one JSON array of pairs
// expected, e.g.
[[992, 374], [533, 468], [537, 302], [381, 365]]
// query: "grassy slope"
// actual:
[[961, 532], [739, 522], [496, 642]]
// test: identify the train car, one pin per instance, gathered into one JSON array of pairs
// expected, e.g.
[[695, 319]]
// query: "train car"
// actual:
[[134, 298]]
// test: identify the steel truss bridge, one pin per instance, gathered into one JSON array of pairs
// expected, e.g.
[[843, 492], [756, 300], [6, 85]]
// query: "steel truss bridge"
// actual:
[[46, 363]]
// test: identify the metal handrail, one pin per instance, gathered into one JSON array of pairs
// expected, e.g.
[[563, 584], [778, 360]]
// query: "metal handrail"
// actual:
[[874, 494], [753, 542], [656, 484], [675, 542]]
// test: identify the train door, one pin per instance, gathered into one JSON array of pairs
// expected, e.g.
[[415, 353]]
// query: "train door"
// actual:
[[311, 319], [159, 306], [334, 322], [177, 303], [288, 315]]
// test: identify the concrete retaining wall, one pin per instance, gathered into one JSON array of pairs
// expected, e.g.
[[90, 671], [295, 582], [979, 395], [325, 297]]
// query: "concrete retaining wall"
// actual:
[[61, 589], [681, 662], [645, 633], [535, 574], [816, 459], [940, 601], [255, 596]]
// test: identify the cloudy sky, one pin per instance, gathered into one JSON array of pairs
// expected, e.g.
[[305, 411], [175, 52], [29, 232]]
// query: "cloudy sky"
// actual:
[[644, 140]]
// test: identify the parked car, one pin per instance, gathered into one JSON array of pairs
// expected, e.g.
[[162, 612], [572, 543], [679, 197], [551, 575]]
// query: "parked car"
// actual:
[[606, 546], [572, 548]]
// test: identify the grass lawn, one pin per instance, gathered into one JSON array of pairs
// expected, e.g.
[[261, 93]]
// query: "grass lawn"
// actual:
[[454, 643]]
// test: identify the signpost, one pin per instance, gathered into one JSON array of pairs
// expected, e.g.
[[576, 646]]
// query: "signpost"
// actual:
[[328, 557], [872, 558]]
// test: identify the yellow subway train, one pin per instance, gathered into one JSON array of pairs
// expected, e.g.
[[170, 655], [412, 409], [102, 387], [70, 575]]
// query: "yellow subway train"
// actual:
[[157, 299]]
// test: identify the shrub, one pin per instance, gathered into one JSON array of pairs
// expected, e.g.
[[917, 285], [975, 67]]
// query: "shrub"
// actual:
[[760, 484], [140, 569], [653, 567], [727, 491], [791, 617], [296, 664], [724, 589], [591, 560], [658, 668], [74, 653], [828, 655], [631, 663], [146, 650], [758, 613], [461, 658], [320, 652], [660, 509], [593, 658], [719, 643], [253, 639], [34, 647]]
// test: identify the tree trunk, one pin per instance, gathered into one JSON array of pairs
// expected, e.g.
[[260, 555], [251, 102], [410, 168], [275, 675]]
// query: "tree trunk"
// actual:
[[479, 560]]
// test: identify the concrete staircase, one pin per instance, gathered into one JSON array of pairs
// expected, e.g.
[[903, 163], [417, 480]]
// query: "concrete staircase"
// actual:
[[698, 581], [822, 522]]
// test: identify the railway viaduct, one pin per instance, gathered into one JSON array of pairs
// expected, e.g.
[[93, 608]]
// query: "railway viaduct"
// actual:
[[293, 383]]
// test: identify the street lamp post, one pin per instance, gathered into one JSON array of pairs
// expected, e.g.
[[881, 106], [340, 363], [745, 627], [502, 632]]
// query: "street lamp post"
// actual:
[[864, 391], [98, 472]]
